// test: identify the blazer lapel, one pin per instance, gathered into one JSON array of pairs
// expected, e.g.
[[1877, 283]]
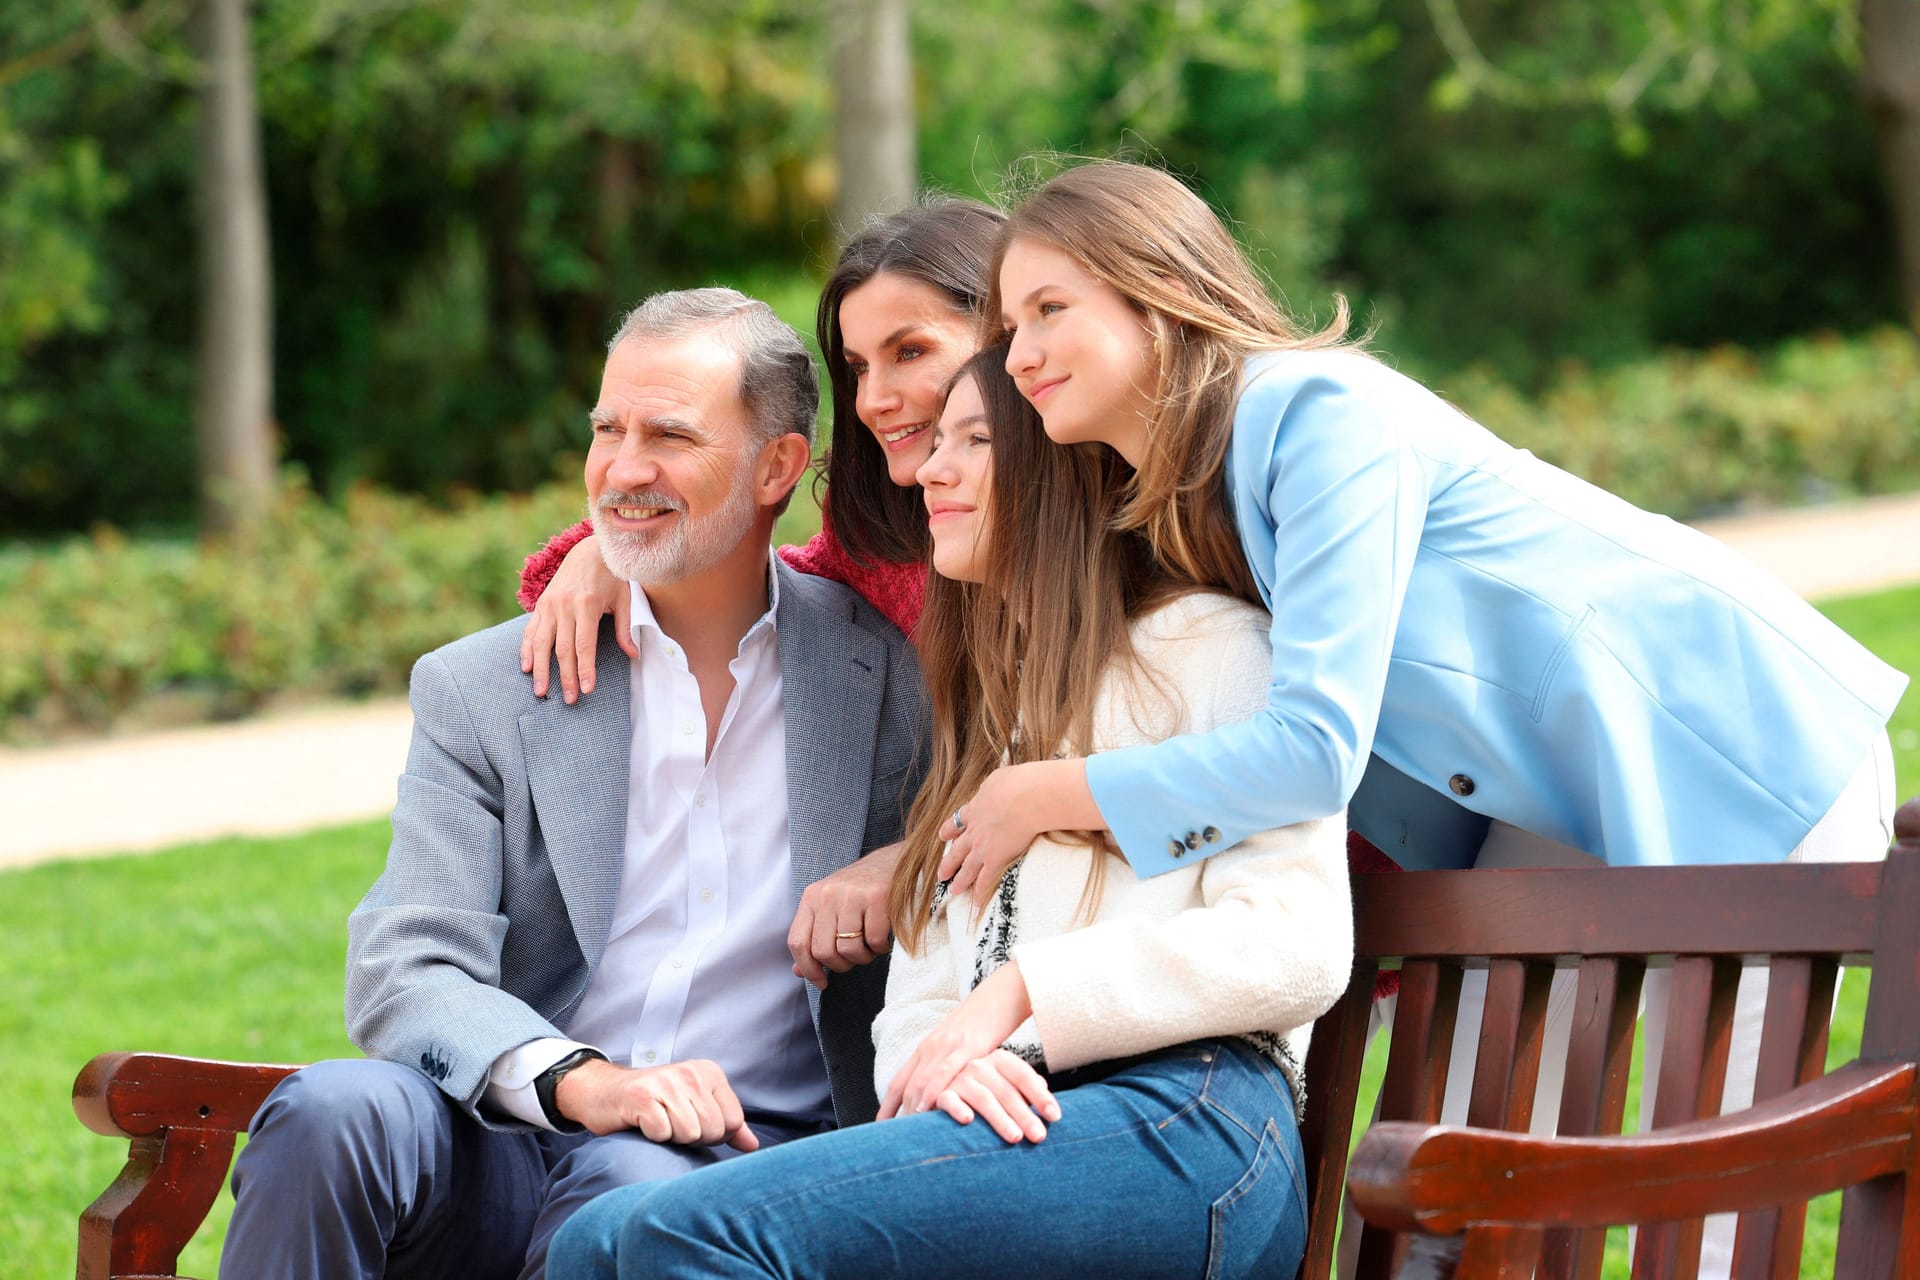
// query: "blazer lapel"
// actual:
[[833, 681], [577, 765]]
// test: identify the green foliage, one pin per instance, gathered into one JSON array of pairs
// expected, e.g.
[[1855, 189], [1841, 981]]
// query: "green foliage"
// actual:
[[1688, 434], [340, 597], [464, 195], [334, 599], [232, 949]]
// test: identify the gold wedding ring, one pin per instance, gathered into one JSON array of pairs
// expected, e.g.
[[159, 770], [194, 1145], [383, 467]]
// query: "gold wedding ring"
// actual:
[[851, 933]]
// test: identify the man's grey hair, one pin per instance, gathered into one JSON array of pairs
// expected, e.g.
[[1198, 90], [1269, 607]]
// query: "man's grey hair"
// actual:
[[778, 384]]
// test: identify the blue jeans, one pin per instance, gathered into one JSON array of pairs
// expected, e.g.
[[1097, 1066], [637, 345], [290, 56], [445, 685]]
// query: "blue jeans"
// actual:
[[1185, 1162]]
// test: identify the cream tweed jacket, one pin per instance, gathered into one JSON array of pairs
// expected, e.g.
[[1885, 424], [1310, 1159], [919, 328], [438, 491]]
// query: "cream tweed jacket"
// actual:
[[1254, 941]]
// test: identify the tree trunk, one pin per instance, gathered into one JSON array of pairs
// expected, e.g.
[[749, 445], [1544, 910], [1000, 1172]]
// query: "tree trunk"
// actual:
[[873, 110], [1891, 33], [234, 410]]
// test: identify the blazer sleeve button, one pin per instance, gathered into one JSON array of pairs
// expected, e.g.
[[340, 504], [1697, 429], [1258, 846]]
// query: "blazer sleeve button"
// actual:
[[1211, 835], [1462, 785], [1177, 849], [1193, 839]]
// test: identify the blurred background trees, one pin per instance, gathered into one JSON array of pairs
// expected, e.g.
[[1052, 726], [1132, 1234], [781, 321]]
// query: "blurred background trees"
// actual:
[[461, 195]]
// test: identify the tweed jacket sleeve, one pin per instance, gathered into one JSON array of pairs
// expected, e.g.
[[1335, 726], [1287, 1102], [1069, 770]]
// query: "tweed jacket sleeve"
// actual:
[[1259, 937], [921, 990]]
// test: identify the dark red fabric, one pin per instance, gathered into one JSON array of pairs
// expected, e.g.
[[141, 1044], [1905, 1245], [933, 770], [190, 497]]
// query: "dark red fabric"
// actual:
[[899, 591], [544, 563]]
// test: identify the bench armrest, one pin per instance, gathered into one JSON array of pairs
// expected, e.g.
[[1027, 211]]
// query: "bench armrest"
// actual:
[[181, 1116], [1855, 1124]]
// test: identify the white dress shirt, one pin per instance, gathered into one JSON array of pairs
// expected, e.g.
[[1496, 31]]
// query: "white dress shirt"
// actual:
[[696, 963]]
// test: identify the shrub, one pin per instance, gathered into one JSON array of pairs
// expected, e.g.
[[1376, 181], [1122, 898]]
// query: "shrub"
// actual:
[[339, 598], [1688, 434]]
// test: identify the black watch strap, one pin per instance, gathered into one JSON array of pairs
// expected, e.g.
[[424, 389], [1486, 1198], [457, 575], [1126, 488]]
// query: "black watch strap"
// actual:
[[548, 1082]]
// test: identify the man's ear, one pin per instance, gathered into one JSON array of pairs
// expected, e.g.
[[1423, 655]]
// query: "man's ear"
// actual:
[[781, 464]]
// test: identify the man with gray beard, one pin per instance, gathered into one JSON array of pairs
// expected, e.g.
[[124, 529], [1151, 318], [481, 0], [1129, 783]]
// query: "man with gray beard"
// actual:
[[573, 974]]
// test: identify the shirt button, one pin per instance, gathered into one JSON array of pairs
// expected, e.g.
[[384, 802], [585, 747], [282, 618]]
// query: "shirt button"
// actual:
[[676, 964], [1462, 785], [699, 802], [649, 1055], [686, 728], [706, 895]]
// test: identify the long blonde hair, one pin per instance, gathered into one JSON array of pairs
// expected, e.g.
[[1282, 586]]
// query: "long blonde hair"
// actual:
[[1013, 664], [1141, 231]]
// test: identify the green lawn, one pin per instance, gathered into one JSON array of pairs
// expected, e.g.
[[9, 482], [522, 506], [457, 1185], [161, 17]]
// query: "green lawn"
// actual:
[[234, 949]]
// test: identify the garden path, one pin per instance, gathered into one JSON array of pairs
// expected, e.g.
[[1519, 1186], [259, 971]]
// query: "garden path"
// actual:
[[296, 771]]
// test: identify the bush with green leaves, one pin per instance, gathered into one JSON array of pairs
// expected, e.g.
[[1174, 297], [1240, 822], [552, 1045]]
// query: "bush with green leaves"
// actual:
[[333, 598], [339, 597], [1690, 434]]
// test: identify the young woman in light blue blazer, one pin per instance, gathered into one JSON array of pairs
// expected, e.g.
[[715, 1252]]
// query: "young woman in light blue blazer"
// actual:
[[1481, 656]]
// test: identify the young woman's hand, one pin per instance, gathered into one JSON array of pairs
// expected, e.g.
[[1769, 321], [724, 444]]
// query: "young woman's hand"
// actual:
[[1006, 1092], [566, 621], [964, 1039], [1016, 803]]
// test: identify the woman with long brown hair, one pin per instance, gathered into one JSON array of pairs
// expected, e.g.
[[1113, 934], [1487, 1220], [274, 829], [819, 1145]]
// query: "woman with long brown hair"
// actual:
[[1484, 659], [1096, 1073]]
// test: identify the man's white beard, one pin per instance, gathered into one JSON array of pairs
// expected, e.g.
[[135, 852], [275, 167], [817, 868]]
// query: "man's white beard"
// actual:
[[690, 547]]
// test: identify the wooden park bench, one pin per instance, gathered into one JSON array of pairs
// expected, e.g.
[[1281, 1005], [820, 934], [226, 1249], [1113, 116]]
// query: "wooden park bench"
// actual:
[[1487, 1199]]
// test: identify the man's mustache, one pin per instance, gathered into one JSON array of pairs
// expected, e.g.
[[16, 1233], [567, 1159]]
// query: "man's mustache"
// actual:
[[640, 498]]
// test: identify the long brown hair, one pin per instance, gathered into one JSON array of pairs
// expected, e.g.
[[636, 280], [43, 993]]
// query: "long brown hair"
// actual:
[[946, 244], [1013, 664], [1141, 231]]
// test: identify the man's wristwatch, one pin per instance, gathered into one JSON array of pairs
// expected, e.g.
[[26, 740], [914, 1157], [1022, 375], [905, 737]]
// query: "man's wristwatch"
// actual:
[[548, 1081]]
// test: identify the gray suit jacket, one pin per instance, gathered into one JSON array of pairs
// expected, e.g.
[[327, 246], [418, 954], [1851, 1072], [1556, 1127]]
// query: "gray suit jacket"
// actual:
[[509, 834]]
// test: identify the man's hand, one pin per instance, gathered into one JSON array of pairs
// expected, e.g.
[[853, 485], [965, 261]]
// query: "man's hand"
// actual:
[[853, 900], [687, 1103]]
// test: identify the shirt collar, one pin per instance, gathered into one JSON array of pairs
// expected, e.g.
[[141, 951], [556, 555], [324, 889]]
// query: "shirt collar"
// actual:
[[644, 621]]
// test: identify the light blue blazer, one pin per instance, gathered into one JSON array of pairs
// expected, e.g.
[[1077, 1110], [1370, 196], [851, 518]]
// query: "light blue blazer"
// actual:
[[1507, 640]]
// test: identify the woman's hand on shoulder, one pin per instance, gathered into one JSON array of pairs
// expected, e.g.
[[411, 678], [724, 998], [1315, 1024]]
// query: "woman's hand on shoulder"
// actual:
[[1016, 804], [566, 622]]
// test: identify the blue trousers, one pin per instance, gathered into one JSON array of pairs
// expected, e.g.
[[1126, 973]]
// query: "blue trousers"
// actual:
[[1184, 1163], [359, 1169]]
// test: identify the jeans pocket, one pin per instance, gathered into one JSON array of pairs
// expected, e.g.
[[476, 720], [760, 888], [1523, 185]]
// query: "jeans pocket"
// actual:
[[1259, 1226]]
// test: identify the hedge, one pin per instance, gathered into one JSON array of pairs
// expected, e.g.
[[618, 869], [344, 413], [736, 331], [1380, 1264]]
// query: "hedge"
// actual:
[[339, 599]]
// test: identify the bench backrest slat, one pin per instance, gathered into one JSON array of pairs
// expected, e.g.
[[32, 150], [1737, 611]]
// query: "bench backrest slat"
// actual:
[[1602, 928], [1511, 1031]]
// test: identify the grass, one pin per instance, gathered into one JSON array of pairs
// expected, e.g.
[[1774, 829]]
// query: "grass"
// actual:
[[229, 949], [235, 949]]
